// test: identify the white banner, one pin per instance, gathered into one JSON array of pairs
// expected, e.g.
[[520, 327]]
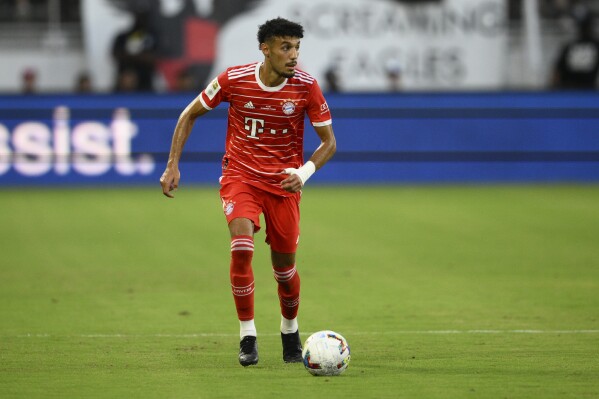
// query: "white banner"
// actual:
[[455, 44]]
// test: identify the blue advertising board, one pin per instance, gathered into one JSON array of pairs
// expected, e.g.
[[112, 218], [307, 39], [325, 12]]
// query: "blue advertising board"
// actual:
[[399, 138]]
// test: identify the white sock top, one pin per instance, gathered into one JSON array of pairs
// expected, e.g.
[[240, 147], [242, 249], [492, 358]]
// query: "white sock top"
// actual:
[[288, 326], [247, 328]]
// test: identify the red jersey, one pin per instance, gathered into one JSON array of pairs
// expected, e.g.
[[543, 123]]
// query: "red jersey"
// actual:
[[265, 132]]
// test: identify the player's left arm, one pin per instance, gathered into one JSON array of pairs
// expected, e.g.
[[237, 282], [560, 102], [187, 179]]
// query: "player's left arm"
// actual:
[[325, 151]]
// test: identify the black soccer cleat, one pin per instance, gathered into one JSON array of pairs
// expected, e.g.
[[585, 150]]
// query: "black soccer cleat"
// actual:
[[248, 351], [292, 347]]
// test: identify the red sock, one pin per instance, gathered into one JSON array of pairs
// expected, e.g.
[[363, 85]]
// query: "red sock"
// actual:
[[242, 276], [289, 290]]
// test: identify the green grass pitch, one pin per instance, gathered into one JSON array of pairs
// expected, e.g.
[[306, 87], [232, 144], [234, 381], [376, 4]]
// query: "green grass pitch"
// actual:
[[441, 291]]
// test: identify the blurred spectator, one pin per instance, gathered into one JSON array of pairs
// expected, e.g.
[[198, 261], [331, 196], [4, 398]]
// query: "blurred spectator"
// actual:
[[127, 81], [331, 77], [578, 62], [393, 72], [29, 81], [83, 84], [185, 81], [135, 52]]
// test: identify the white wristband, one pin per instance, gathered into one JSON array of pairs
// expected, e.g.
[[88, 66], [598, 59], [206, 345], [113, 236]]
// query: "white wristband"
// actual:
[[304, 172]]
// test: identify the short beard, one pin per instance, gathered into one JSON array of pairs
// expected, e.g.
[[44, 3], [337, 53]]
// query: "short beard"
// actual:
[[287, 75]]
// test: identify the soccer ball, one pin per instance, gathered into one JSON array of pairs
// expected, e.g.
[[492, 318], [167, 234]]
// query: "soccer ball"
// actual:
[[326, 353]]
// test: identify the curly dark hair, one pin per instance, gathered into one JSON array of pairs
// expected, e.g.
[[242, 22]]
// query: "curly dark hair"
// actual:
[[279, 27]]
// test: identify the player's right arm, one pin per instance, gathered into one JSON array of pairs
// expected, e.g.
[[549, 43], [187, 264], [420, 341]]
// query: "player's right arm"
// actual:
[[170, 178]]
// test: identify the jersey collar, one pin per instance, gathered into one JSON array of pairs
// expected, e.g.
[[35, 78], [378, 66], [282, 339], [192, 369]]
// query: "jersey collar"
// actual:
[[262, 85]]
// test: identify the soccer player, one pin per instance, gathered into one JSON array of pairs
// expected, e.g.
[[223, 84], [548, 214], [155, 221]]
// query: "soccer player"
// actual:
[[263, 169]]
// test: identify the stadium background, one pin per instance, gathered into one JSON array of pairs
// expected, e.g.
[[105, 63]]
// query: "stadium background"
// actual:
[[475, 101], [452, 239]]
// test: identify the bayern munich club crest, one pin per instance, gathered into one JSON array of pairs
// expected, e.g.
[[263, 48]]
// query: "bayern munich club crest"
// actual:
[[228, 207], [288, 107]]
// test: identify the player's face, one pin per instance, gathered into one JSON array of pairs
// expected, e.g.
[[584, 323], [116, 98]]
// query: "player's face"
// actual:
[[283, 53]]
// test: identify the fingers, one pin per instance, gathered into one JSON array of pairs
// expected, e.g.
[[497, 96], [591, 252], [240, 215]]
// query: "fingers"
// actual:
[[169, 184], [292, 184], [169, 191], [166, 189]]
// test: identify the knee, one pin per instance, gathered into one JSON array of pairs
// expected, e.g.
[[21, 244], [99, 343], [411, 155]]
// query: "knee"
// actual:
[[241, 227], [282, 259]]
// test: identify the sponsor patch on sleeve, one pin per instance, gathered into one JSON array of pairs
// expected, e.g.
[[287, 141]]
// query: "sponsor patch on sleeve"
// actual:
[[212, 89]]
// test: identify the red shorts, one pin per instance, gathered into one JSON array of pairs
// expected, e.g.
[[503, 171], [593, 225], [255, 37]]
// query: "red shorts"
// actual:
[[281, 214]]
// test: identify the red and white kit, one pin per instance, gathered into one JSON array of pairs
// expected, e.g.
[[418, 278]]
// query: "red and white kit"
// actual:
[[265, 132]]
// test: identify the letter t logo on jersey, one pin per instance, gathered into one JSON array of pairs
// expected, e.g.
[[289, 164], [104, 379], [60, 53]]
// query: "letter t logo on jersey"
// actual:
[[254, 129]]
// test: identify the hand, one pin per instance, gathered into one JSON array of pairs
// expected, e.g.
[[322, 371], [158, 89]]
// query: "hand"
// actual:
[[170, 180], [297, 177], [293, 183]]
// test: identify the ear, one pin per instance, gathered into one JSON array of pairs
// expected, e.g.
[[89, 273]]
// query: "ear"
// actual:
[[265, 49]]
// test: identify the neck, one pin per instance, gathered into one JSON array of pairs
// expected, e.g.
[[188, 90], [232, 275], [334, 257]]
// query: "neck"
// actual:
[[269, 77]]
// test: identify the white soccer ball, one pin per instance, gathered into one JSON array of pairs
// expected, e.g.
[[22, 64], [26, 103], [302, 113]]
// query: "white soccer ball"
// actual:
[[326, 353]]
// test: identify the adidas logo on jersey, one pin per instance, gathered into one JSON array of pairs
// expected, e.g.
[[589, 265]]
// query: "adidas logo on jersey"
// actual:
[[249, 105]]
